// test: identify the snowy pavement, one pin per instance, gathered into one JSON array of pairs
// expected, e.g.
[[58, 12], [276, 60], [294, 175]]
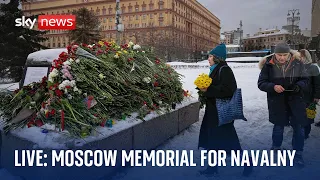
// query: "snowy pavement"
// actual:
[[254, 135]]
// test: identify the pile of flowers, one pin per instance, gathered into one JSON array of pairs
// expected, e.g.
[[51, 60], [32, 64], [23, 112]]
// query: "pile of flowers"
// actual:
[[91, 85], [311, 111]]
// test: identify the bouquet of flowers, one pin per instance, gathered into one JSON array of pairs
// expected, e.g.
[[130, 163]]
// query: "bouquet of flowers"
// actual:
[[311, 111], [203, 81]]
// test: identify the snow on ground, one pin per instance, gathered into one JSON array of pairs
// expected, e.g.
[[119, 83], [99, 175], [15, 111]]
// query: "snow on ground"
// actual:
[[254, 135]]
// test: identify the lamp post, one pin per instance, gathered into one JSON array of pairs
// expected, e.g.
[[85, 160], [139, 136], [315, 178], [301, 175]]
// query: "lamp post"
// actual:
[[118, 21], [293, 13], [240, 43]]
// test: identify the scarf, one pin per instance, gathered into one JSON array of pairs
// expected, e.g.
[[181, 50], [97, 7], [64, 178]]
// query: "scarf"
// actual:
[[212, 68]]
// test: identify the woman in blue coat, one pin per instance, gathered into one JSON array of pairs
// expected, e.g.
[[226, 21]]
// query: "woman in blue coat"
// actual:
[[284, 78], [212, 136]]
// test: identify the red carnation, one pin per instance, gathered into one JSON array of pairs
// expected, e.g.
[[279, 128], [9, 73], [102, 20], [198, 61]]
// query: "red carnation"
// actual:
[[157, 61], [58, 92], [53, 112], [155, 84]]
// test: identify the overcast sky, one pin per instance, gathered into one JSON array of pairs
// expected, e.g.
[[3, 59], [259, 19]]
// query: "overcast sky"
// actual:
[[257, 14]]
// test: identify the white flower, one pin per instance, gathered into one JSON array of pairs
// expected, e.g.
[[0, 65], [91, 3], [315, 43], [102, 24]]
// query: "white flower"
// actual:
[[143, 51], [101, 76], [160, 102], [85, 94], [69, 96], [66, 63], [75, 89], [53, 74], [66, 91], [77, 60], [50, 79], [73, 83], [32, 103], [147, 79], [130, 44], [89, 46], [135, 47], [71, 60], [116, 56]]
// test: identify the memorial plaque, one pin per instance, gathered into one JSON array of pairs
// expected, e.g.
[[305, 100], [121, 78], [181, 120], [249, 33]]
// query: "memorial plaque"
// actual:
[[35, 74]]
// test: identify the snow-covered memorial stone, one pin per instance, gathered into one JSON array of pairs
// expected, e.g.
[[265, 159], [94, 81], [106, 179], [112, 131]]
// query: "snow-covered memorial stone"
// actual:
[[103, 96]]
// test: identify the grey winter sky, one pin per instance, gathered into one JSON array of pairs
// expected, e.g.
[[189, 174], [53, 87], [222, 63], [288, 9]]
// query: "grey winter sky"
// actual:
[[257, 14]]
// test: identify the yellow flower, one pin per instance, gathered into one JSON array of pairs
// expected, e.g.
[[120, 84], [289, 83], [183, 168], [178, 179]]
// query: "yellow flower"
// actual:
[[101, 43], [125, 51], [203, 81]]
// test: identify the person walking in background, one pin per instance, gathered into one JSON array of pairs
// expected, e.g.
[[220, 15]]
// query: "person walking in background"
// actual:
[[212, 136], [312, 93], [283, 77]]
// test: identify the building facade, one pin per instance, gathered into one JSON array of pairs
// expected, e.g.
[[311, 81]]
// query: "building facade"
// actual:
[[264, 39], [315, 22], [185, 23]]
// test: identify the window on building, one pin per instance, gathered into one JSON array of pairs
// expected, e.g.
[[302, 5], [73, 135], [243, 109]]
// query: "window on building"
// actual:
[[151, 16], [144, 8], [137, 17], [110, 19], [151, 6], [144, 17], [123, 10], [137, 8], [161, 23], [104, 11], [130, 9], [161, 15], [110, 11]]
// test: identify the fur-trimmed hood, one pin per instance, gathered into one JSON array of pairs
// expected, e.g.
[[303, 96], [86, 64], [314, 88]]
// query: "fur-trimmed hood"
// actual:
[[295, 55]]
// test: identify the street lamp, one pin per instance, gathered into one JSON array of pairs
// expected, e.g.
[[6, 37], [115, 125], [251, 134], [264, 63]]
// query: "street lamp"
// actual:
[[118, 21], [293, 12]]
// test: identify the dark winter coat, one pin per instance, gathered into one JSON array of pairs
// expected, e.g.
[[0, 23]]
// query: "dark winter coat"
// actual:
[[313, 89], [281, 106], [211, 136]]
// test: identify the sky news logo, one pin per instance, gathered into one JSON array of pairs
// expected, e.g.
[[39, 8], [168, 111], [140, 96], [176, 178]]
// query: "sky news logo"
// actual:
[[49, 22]]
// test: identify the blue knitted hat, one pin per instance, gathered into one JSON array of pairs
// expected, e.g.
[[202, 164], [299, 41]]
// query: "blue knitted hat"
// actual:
[[220, 51]]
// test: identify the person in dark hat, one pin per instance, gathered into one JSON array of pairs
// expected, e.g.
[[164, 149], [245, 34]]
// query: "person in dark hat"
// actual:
[[284, 78], [212, 136]]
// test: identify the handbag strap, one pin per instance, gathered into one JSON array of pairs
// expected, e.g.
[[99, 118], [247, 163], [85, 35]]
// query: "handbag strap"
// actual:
[[221, 69]]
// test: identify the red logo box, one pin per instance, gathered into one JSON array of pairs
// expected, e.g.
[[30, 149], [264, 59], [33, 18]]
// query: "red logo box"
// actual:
[[56, 22]]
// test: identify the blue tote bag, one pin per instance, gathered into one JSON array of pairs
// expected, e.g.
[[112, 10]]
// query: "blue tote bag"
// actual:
[[230, 109]]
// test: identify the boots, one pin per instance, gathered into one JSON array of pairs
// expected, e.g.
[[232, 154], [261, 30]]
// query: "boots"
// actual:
[[210, 171]]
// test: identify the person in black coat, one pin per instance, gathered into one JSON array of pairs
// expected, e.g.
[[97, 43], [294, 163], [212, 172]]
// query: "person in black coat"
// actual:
[[284, 78], [212, 136], [312, 93]]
